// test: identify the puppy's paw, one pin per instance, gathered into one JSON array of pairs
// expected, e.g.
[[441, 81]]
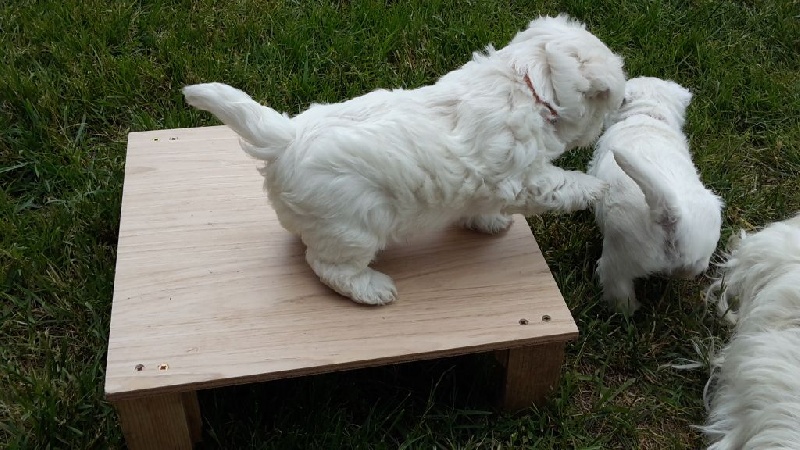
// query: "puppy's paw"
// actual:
[[626, 307], [489, 224], [371, 287], [621, 299], [362, 285], [618, 292], [596, 189], [581, 191]]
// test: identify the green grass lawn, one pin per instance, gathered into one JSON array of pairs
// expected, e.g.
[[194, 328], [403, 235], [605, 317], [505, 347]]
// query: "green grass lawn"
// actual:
[[76, 76]]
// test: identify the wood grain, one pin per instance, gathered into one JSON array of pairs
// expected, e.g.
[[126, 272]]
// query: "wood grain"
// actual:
[[531, 373], [156, 422], [191, 407], [209, 285]]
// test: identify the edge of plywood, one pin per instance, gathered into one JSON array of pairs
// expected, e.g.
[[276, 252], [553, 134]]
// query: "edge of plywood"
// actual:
[[319, 370]]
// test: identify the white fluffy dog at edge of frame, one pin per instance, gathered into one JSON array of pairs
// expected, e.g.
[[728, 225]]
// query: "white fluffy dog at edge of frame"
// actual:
[[754, 389], [471, 149]]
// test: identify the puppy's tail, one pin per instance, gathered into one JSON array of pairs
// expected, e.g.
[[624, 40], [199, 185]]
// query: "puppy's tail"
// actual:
[[660, 197], [266, 132]]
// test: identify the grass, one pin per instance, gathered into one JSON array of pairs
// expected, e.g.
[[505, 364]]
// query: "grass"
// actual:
[[78, 75]]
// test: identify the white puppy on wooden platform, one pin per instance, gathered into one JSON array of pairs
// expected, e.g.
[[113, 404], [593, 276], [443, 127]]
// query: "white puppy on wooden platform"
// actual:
[[473, 148], [755, 395], [657, 216]]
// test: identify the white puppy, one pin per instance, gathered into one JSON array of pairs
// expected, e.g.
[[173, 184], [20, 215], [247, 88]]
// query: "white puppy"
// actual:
[[755, 399], [657, 216], [472, 148]]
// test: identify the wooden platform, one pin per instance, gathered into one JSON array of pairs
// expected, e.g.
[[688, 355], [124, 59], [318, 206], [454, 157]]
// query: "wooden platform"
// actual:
[[210, 291]]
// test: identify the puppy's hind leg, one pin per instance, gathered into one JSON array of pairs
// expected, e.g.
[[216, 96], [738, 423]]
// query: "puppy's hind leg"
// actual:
[[343, 265], [487, 223]]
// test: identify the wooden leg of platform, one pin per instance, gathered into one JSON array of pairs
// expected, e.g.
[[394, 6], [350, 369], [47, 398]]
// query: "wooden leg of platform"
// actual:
[[168, 421], [193, 419], [531, 373]]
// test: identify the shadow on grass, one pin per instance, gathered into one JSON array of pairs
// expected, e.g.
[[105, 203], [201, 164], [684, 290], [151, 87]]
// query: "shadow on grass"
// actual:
[[390, 406]]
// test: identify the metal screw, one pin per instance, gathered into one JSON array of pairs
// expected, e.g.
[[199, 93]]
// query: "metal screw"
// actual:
[[139, 367], [523, 321], [164, 366], [545, 318]]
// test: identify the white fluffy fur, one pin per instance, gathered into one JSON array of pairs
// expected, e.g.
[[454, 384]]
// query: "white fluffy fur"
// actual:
[[657, 216], [755, 401], [472, 148]]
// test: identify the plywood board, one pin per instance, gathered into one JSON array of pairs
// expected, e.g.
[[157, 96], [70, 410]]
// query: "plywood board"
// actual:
[[211, 291]]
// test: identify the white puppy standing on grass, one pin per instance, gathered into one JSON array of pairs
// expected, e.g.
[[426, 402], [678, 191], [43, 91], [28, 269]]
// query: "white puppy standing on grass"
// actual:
[[473, 148], [657, 216], [755, 394]]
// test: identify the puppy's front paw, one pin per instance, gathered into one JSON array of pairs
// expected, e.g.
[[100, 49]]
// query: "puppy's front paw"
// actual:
[[619, 293], [625, 306], [582, 191], [596, 189], [489, 224]]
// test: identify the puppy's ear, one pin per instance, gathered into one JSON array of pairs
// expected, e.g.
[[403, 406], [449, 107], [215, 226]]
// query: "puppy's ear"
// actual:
[[569, 84], [683, 95], [576, 78], [598, 90], [604, 85]]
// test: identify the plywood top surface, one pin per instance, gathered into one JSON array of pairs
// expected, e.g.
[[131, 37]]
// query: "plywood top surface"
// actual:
[[211, 291]]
